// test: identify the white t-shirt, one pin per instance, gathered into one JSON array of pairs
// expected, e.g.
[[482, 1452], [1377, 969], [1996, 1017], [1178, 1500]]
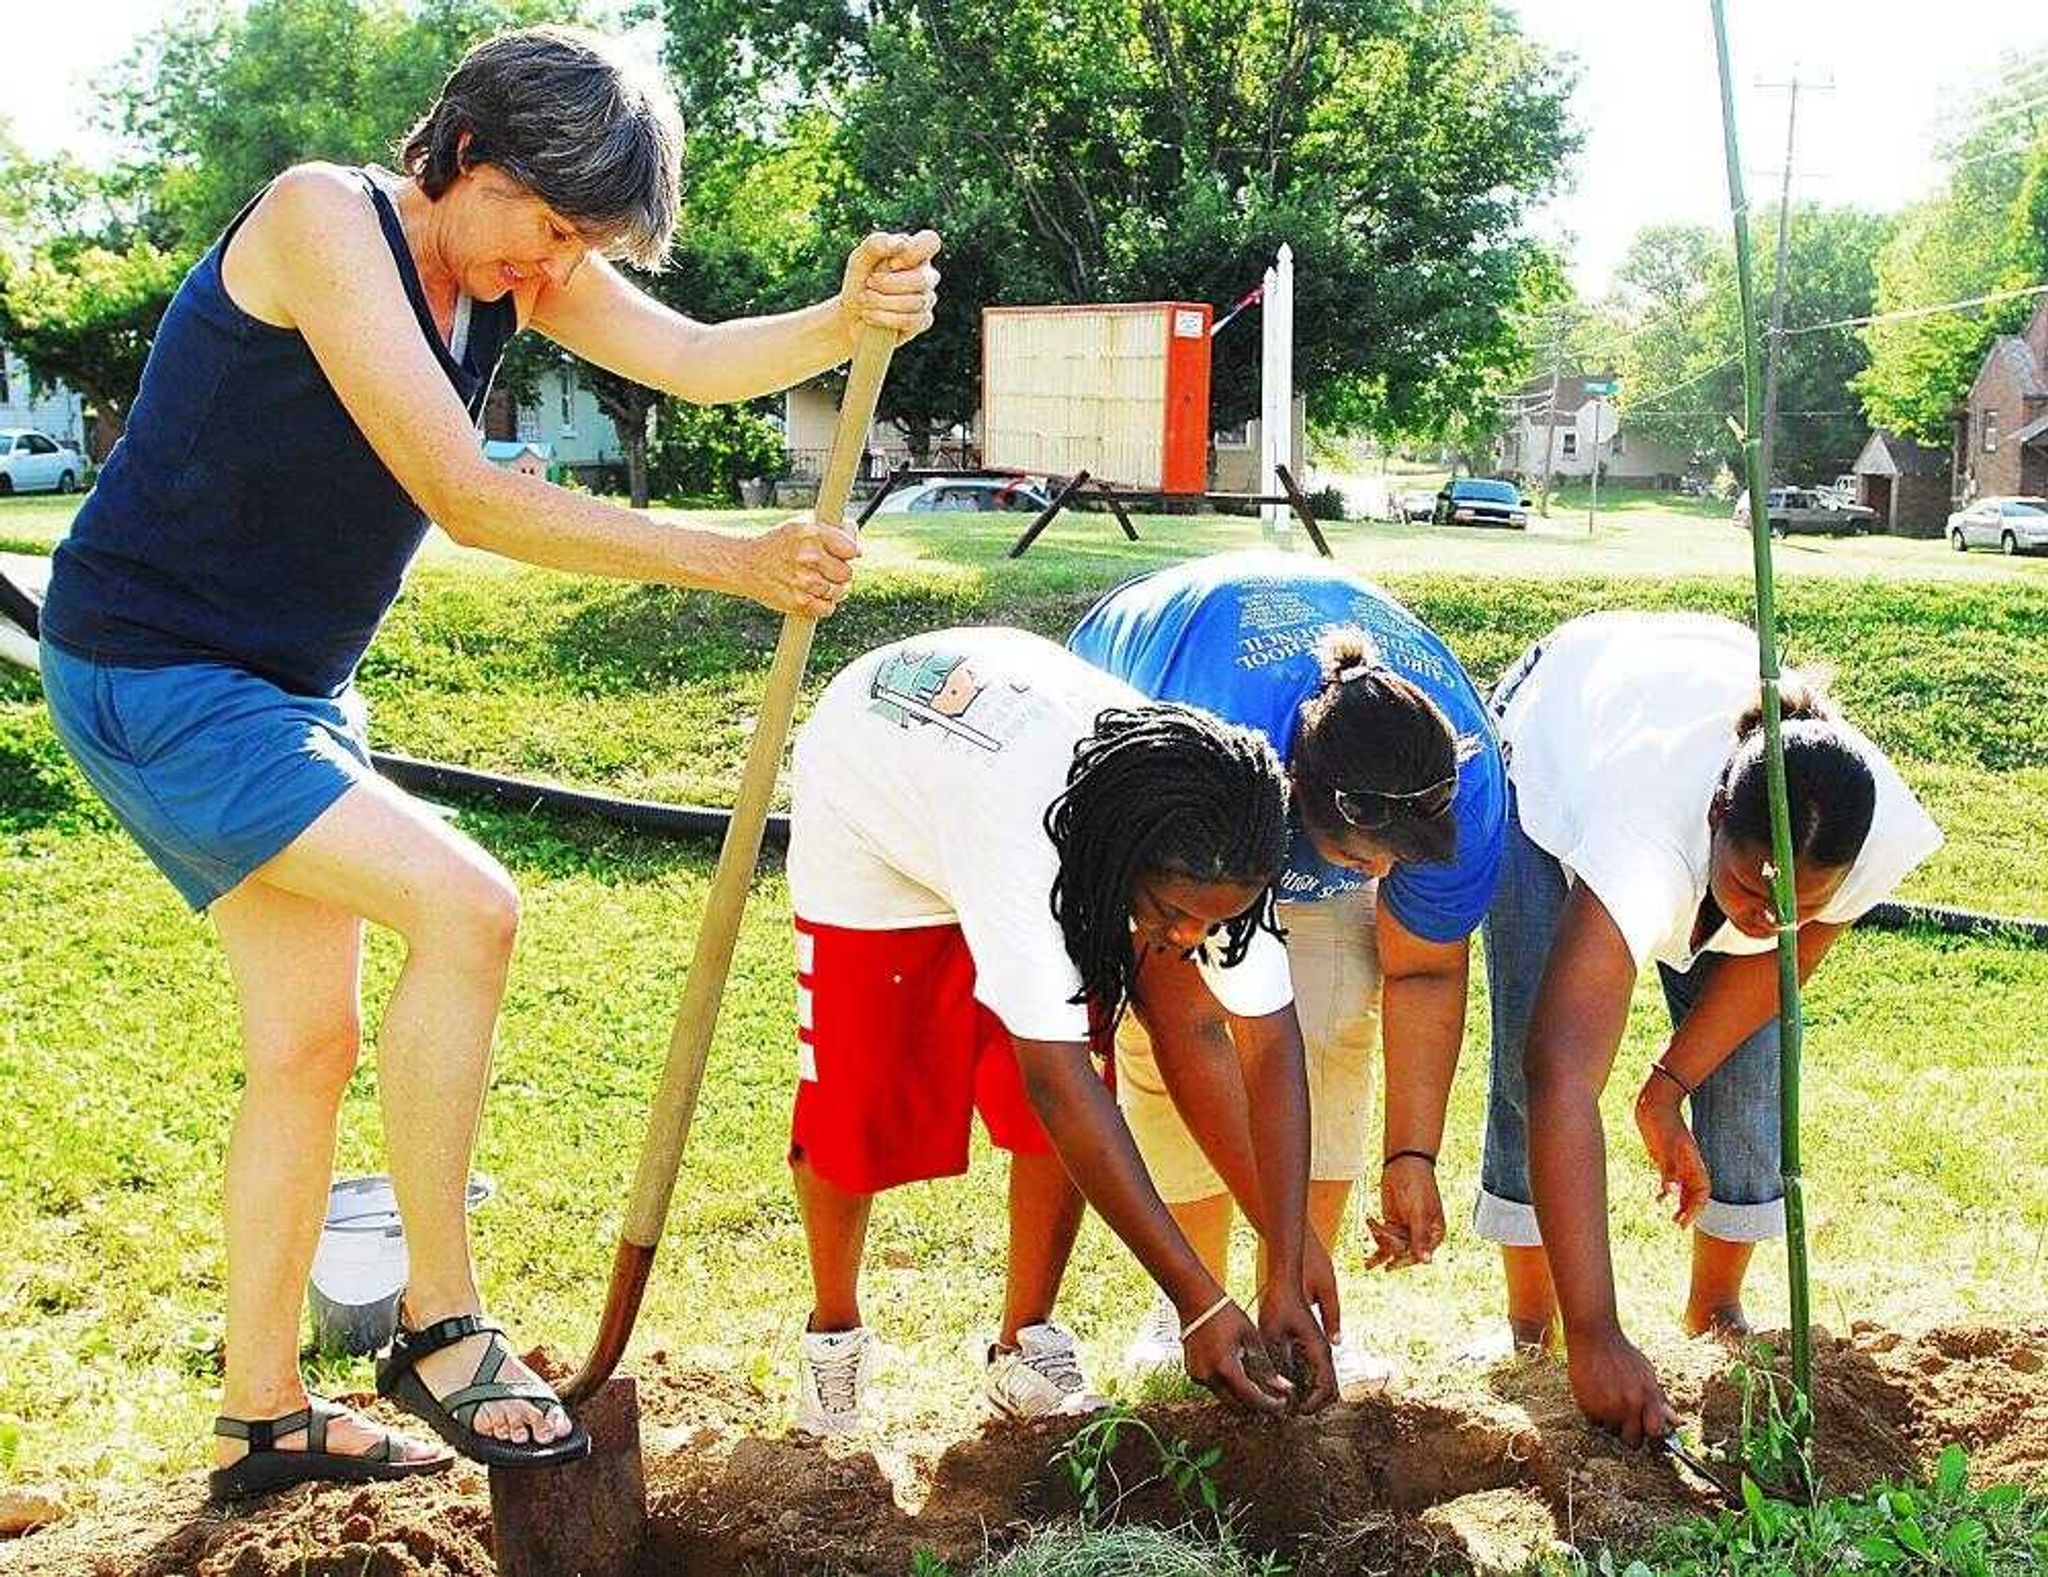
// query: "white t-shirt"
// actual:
[[920, 791], [1616, 740]]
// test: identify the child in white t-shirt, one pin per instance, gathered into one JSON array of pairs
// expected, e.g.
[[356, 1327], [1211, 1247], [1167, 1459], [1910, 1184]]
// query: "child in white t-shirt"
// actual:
[[1639, 833], [994, 848]]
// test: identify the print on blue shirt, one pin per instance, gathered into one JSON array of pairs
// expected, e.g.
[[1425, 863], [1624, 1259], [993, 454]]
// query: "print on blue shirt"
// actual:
[[1236, 634]]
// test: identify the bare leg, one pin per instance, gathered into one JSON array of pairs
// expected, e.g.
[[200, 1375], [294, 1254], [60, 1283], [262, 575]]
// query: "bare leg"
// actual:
[[1532, 1300], [1045, 1216], [1715, 1301], [1326, 1201], [377, 853], [295, 964], [836, 1230], [1205, 1223]]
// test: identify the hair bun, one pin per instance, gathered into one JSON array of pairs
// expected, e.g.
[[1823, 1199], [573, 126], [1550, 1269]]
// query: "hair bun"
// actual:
[[1345, 654], [1802, 698]]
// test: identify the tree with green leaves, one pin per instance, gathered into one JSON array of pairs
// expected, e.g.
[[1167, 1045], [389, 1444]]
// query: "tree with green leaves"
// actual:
[[215, 103], [210, 107], [1986, 232], [85, 274], [1105, 150], [1671, 328], [85, 315]]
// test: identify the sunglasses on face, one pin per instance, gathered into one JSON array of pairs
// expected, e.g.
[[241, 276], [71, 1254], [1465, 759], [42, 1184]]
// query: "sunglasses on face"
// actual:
[[1373, 809]]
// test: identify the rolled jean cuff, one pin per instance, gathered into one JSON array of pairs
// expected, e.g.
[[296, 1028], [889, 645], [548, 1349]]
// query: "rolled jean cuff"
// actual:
[[1505, 1222], [1742, 1223]]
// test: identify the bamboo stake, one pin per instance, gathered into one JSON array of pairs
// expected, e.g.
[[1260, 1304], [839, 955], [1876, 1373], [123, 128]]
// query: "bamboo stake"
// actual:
[[1790, 1022]]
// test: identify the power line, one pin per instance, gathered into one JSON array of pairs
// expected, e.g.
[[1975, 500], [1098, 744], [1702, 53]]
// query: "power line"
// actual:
[[1636, 405], [2025, 79], [2018, 150], [1923, 312], [2008, 112]]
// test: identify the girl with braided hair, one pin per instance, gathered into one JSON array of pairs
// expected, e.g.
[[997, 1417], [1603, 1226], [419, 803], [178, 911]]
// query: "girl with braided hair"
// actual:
[[1399, 800], [994, 851]]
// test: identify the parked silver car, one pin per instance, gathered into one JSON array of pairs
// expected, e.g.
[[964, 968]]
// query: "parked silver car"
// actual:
[[2012, 525], [1790, 509], [33, 462]]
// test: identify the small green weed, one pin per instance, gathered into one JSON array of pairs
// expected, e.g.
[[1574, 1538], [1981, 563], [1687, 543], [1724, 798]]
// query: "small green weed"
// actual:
[[1089, 1459], [1776, 1430], [1942, 1529]]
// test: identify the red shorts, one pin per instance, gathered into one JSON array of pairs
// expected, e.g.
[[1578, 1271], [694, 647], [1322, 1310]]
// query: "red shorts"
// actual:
[[895, 1056]]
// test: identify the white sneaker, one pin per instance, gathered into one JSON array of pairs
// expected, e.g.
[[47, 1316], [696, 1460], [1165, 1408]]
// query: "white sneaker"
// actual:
[[833, 1370], [1042, 1378], [1156, 1345], [1359, 1372]]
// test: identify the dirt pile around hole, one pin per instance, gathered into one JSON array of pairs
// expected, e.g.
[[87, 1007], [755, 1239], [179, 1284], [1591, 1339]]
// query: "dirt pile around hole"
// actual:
[[1475, 1475]]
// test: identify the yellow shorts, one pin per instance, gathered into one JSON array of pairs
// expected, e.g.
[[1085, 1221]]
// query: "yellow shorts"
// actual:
[[1334, 959]]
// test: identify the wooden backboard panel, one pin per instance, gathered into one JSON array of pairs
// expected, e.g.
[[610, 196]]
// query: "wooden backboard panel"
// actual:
[[1118, 391]]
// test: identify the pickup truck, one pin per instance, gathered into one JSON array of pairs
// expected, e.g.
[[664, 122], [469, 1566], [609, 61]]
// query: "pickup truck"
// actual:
[[1790, 509]]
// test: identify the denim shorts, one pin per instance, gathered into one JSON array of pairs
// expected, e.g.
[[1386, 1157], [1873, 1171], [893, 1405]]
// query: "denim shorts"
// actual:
[[1734, 1111], [211, 769]]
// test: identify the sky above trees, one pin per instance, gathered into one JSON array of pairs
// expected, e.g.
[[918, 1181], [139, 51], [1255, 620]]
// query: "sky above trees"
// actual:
[[1646, 100]]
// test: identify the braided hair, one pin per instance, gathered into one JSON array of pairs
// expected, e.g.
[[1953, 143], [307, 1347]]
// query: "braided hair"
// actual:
[[1161, 789]]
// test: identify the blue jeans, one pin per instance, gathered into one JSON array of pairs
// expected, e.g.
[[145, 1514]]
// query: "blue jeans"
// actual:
[[1734, 1112]]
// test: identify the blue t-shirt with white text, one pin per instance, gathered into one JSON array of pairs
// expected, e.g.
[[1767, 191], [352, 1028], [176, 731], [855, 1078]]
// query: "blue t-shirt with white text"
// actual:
[[1236, 633]]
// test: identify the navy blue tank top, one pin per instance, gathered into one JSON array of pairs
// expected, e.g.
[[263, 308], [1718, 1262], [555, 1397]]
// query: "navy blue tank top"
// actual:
[[243, 517]]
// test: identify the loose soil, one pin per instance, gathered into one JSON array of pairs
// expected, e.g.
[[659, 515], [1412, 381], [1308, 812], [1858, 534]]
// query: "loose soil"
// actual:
[[1479, 1474]]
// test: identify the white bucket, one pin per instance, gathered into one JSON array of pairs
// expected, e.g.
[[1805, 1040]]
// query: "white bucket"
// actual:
[[359, 1267]]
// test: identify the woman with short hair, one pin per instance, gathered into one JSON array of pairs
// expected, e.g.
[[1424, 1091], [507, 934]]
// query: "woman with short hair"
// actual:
[[1639, 833], [310, 403]]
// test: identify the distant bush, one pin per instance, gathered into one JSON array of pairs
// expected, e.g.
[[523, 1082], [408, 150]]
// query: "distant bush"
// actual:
[[1326, 503], [707, 451]]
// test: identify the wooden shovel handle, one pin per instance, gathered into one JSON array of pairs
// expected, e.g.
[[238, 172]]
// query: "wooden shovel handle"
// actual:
[[682, 1077]]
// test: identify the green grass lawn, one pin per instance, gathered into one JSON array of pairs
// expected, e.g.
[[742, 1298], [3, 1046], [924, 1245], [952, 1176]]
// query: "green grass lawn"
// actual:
[[1929, 1197]]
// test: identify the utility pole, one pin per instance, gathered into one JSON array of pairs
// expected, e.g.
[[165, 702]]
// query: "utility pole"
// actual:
[[1593, 499], [1550, 415], [1777, 335]]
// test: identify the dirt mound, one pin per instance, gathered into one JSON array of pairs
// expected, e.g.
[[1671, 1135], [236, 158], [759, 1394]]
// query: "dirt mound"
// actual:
[[1447, 1476]]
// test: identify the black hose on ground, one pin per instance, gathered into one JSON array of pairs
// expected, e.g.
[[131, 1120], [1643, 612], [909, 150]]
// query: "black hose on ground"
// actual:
[[18, 605], [522, 794], [703, 821]]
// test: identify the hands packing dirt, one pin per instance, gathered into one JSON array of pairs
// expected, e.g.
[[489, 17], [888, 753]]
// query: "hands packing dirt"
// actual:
[[1230, 1357]]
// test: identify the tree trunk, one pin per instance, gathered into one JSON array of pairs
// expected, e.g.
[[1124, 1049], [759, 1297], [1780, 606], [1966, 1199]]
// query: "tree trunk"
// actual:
[[108, 423], [918, 435], [634, 440]]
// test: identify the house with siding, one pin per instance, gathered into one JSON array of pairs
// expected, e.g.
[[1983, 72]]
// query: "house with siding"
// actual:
[[1589, 430], [564, 423], [27, 401], [2001, 444]]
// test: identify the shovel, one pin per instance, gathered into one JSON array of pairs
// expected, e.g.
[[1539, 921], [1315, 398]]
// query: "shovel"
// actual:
[[588, 1519]]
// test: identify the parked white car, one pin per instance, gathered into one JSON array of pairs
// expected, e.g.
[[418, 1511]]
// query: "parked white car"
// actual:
[[2012, 525], [33, 462], [968, 494]]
